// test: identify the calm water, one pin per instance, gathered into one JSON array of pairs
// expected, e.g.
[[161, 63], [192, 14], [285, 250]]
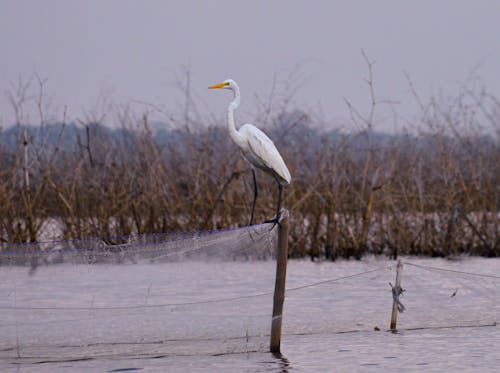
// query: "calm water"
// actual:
[[112, 318]]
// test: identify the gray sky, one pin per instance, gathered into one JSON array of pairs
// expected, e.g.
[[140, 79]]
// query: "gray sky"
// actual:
[[131, 50]]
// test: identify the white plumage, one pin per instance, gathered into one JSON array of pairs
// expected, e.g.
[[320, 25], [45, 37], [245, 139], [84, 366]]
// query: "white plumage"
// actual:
[[256, 146], [262, 153]]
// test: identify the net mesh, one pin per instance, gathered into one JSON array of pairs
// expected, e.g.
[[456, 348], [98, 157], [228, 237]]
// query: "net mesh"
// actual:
[[148, 295], [352, 296], [451, 294], [212, 293]]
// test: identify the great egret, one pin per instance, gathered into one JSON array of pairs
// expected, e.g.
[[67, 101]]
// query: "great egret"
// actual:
[[257, 148]]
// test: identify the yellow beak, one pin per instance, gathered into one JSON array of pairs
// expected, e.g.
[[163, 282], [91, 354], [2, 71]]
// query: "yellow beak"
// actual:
[[219, 85]]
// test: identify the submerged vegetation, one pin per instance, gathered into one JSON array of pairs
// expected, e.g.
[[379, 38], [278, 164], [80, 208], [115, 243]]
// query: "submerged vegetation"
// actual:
[[430, 190]]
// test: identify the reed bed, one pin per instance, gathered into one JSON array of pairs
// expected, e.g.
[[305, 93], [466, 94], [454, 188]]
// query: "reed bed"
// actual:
[[430, 189]]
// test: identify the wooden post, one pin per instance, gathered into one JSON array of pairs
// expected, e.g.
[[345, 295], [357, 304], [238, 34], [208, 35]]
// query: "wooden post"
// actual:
[[279, 286], [396, 291]]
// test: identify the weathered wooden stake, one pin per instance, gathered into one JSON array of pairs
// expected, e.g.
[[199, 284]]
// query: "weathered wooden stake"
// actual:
[[279, 286], [397, 288]]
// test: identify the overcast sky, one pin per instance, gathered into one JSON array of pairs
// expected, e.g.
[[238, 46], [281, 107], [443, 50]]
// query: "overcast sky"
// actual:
[[132, 50]]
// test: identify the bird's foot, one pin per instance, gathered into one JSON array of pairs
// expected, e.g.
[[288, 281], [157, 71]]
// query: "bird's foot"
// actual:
[[275, 221]]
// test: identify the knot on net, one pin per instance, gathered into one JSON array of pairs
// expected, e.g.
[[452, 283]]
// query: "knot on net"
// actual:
[[396, 292]]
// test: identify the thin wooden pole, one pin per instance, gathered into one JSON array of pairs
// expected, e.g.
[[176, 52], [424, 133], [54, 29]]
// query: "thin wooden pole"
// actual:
[[279, 286], [396, 292]]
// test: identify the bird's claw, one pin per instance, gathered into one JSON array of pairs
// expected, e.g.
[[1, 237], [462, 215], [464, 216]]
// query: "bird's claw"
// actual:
[[275, 221]]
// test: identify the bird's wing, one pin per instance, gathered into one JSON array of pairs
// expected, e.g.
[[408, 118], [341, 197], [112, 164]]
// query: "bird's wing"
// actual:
[[263, 153]]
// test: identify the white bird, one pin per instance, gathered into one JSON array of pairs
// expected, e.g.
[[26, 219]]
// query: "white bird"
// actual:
[[257, 148]]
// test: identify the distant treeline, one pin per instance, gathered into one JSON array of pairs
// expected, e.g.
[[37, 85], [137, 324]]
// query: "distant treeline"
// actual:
[[432, 191]]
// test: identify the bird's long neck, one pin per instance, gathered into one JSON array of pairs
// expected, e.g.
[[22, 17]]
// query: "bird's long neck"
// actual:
[[233, 105]]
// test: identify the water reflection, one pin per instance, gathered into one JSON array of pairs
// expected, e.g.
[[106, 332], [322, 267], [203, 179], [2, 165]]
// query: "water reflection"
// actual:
[[282, 361], [318, 324]]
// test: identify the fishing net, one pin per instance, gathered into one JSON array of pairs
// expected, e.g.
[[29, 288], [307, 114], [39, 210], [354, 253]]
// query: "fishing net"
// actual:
[[451, 293], [353, 296], [153, 295], [211, 292]]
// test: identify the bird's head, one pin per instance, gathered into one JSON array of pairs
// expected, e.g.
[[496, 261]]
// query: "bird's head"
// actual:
[[226, 84]]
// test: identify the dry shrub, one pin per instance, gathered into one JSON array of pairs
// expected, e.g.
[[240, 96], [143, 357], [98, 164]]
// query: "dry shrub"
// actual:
[[431, 191]]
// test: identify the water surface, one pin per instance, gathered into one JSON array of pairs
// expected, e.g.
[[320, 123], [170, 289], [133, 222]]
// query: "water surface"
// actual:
[[193, 316]]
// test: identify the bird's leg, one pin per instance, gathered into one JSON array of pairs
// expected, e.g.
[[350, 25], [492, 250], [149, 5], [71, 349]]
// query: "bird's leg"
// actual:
[[255, 193], [278, 209], [276, 219]]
